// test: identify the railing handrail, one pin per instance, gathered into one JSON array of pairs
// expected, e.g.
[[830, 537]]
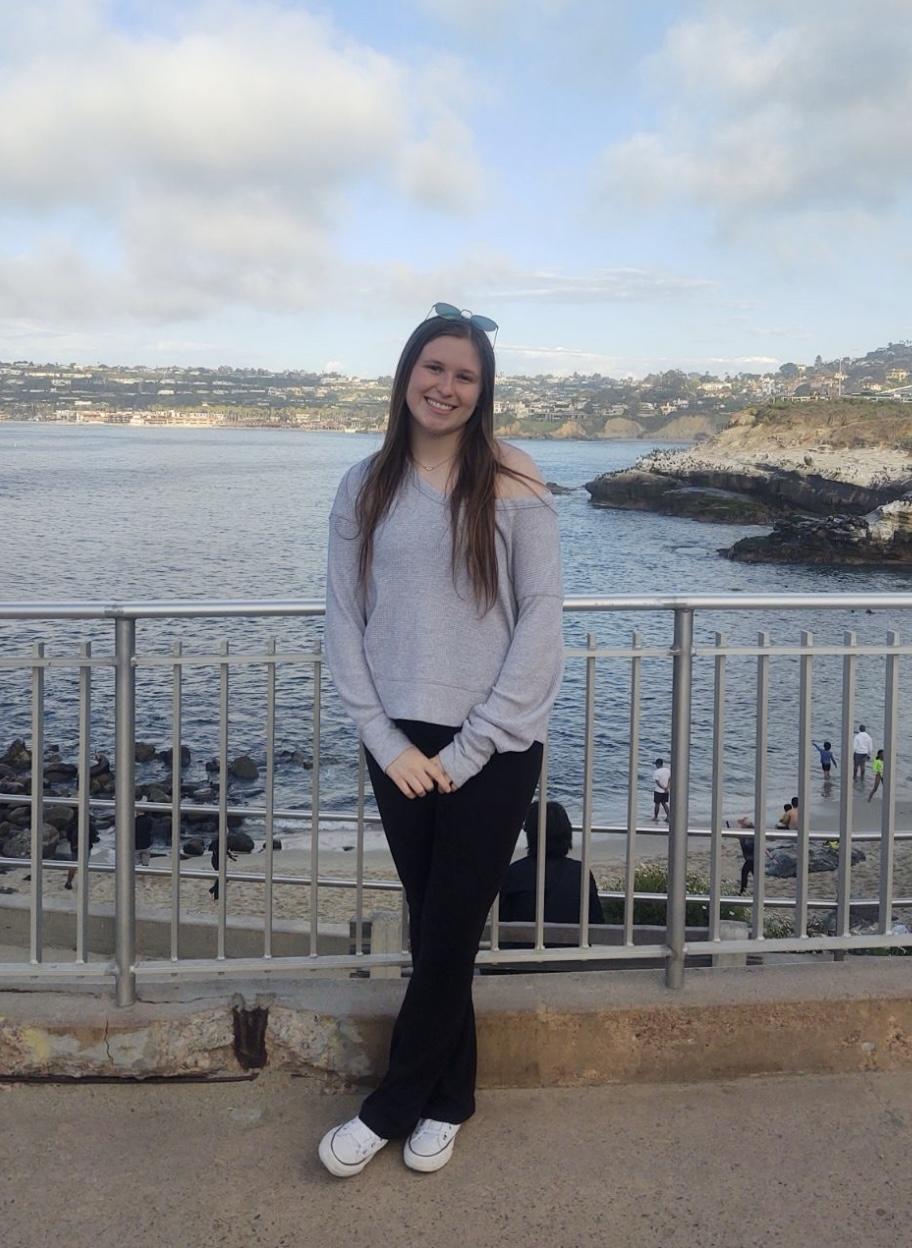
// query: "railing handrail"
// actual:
[[682, 651], [227, 608]]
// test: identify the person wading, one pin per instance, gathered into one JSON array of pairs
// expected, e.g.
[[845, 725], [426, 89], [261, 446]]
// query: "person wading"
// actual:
[[443, 637]]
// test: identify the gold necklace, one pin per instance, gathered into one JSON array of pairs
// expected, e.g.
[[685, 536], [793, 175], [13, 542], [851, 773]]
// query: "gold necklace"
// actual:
[[434, 467]]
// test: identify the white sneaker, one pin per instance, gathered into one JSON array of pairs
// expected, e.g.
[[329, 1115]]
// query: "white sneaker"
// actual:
[[430, 1146], [346, 1150]]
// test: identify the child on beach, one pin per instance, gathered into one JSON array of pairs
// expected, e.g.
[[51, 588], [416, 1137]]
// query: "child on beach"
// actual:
[[827, 758], [878, 768], [444, 638]]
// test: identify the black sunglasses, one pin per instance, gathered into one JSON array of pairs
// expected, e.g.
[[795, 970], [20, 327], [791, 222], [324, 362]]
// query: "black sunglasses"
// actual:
[[450, 312]]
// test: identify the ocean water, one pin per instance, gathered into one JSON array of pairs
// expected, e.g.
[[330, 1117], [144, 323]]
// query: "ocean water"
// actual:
[[105, 513]]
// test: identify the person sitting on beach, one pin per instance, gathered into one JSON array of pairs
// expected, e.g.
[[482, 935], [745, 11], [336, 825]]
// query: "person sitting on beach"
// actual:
[[661, 783], [562, 876], [789, 817], [827, 758], [878, 767]]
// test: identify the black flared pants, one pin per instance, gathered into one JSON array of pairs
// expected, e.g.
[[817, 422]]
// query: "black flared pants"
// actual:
[[451, 851]]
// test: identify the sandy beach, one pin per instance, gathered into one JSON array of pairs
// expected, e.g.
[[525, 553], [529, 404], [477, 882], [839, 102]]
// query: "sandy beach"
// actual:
[[608, 856]]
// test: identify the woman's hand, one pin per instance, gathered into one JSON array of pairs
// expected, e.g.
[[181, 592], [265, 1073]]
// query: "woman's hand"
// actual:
[[414, 774]]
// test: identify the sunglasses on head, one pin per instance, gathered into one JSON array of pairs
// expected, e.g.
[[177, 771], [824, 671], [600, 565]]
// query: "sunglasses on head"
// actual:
[[450, 312]]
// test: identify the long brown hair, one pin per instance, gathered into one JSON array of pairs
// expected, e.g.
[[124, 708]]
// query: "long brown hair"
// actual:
[[477, 465]]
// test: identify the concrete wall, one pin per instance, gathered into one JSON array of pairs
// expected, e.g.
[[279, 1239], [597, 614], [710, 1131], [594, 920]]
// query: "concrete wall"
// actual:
[[534, 1030]]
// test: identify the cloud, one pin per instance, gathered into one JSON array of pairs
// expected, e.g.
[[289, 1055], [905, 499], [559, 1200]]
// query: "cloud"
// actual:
[[563, 360], [767, 112], [622, 285], [481, 274], [168, 174]]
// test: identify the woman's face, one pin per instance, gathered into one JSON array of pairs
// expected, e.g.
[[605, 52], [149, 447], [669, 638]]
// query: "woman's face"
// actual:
[[445, 385]]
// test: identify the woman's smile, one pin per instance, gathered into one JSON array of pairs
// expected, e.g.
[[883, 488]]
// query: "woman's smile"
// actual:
[[445, 386]]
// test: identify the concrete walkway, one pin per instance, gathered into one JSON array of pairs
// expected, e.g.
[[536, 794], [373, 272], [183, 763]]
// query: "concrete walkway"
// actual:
[[778, 1162]]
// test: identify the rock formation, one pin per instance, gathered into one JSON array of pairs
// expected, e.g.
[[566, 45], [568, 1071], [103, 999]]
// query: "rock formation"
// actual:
[[835, 488], [884, 536]]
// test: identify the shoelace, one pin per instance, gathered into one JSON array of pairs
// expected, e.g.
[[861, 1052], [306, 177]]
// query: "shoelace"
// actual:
[[428, 1129], [363, 1146]]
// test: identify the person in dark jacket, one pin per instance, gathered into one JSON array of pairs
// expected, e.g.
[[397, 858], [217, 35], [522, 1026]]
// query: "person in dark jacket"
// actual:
[[214, 849], [562, 876]]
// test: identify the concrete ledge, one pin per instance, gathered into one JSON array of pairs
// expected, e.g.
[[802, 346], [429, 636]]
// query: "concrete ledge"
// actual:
[[534, 1030], [198, 933]]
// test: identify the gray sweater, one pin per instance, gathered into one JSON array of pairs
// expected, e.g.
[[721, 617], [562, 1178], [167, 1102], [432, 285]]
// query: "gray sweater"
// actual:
[[415, 644]]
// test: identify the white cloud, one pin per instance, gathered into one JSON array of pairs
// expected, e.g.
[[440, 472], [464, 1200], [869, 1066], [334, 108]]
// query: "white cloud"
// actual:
[[481, 274], [769, 112], [622, 285], [564, 360], [170, 175]]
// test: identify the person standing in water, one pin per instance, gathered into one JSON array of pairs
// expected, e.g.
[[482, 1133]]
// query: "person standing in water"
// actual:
[[862, 750], [443, 636]]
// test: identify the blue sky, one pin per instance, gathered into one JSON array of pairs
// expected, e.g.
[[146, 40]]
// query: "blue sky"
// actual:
[[624, 187]]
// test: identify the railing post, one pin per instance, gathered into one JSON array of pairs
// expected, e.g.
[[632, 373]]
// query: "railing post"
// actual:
[[125, 809], [676, 907]]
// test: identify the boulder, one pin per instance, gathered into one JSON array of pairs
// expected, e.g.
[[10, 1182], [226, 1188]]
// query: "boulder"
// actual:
[[240, 843], [165, 756], [19, 845], [883, 537], [60, 817], [244, 768], [559, 489], [295, 756], [145, 752], [18, 756], [56, 769], [153, 792], [782, 861], [193, 847]]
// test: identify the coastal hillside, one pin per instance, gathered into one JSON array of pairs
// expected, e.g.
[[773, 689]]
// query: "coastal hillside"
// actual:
[[835, 424]]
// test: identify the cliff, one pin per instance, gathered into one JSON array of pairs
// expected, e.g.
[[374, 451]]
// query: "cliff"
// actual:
[[837, 487]]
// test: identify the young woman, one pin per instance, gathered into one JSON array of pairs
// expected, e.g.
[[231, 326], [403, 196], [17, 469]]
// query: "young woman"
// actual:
[[443, 636]]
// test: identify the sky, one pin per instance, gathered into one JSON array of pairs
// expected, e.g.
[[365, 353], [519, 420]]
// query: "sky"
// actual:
[[625, 187]]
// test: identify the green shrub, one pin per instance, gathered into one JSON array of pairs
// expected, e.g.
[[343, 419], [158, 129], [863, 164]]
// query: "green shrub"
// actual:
[[652, 877]]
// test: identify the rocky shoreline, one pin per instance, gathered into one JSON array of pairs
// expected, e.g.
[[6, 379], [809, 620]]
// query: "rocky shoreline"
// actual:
[[825, 505], [197, 827]]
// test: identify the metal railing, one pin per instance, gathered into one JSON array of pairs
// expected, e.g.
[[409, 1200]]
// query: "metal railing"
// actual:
[[683, 652]]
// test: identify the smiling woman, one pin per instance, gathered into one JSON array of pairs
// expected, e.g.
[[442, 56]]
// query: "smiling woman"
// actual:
[[443, 635]]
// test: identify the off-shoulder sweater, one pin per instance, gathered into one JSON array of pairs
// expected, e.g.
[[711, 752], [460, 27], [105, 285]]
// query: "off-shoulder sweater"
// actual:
[[414, 643]]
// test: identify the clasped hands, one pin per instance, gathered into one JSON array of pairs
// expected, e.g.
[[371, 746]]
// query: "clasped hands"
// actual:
[[414, 774]]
